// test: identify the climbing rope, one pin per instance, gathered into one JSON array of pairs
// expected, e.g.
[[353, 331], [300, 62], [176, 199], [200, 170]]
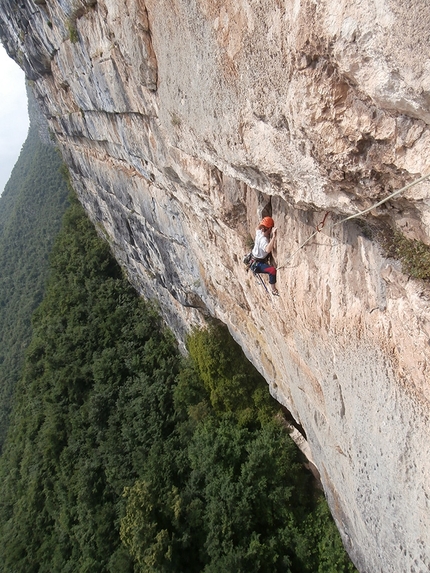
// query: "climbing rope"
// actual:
[[319, 228], [383, 200], [320, 225], [260, 279]]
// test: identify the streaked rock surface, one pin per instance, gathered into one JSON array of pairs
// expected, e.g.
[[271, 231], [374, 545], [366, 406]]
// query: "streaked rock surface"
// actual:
[[182, 122]]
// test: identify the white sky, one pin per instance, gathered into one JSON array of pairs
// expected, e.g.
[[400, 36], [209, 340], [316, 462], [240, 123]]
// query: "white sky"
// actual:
[[13, 115]]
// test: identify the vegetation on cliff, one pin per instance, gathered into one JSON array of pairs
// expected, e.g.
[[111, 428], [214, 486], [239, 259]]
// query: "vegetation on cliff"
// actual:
[[122, 456], [31, 208], [413, 254]]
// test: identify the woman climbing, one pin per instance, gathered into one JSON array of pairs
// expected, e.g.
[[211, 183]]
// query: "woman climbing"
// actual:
[[264, 243]]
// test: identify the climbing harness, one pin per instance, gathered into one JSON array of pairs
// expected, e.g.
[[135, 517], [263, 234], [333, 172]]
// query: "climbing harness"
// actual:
[[251, 264], [320, 225], [247, 259]]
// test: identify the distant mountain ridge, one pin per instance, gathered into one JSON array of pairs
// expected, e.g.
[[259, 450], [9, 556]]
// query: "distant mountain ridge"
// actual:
[[31, 210]]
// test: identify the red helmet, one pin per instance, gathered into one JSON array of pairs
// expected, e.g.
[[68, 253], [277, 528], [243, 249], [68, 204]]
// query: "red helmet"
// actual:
[[267, 222]]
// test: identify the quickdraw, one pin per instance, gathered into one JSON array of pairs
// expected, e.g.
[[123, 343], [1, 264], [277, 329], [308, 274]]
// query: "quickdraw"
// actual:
[[321, 223]]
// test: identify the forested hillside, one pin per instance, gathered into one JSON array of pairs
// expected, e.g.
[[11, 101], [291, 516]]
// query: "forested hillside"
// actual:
[[31, 208], [123, 456]]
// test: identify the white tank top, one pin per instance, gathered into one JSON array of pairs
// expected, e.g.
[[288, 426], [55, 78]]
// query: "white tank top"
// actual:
[[260, 244]]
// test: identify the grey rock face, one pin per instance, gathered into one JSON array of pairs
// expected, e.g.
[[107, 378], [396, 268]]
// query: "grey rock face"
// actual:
[[182, 123]]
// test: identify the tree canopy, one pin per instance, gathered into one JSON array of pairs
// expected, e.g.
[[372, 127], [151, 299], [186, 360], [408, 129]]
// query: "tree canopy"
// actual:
[[31, 208], [124, 456]]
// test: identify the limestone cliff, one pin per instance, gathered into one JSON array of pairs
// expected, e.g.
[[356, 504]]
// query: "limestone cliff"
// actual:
[[182, 122]]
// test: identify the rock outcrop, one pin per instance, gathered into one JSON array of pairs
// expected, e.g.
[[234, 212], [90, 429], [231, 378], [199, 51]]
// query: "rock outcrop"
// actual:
[[183, 122]]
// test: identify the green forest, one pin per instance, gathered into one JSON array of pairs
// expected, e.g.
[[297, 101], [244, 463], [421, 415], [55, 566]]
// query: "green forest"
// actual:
[[31, 208], [121, 454]]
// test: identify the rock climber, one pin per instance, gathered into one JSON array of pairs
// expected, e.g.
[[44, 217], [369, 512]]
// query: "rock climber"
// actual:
[[264, 243]]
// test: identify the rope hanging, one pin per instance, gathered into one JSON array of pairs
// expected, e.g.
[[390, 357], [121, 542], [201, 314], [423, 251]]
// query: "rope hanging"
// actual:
[[318, 230], [320, 225]]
